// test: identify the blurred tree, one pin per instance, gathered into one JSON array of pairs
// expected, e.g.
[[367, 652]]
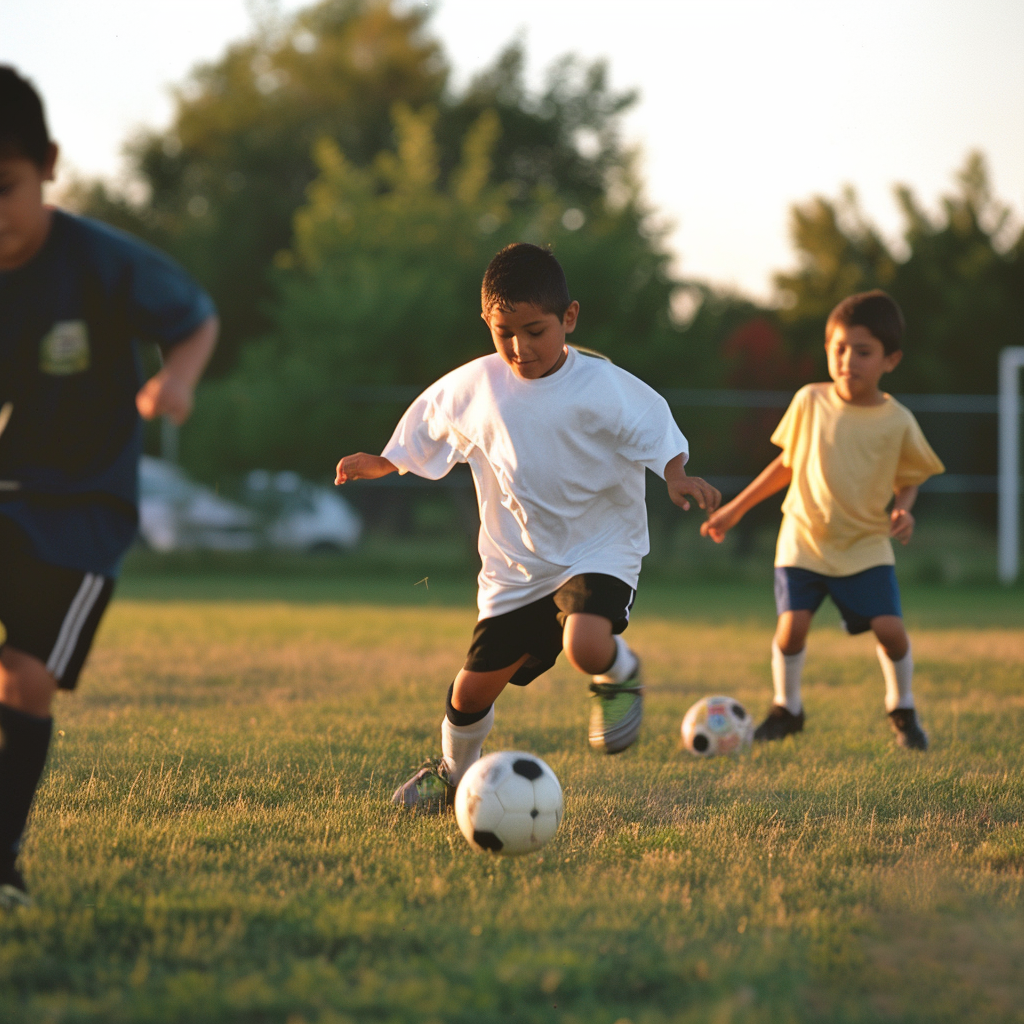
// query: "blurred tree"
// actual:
[[224, 181], [382, 287], [961, 284]]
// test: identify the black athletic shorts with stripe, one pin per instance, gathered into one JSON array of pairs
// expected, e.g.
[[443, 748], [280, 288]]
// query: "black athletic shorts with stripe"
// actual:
[[536, 628], [48, 611]]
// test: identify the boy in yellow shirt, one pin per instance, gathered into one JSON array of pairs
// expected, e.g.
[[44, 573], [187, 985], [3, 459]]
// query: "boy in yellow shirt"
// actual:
[[847, 449]]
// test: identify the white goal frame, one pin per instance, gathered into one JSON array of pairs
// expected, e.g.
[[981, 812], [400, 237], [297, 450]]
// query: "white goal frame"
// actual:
[[1011, 361]]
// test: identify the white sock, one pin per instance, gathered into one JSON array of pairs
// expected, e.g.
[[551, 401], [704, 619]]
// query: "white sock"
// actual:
[[786, 672], [898, 678], [461, 744], [622, 667]]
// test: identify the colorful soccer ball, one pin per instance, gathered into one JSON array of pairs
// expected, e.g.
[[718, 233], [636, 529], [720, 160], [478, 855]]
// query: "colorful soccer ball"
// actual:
[[509, 803], [717, 725]]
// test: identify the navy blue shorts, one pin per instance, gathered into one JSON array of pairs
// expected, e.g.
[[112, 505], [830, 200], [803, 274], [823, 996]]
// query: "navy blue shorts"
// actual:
[[859, 597]]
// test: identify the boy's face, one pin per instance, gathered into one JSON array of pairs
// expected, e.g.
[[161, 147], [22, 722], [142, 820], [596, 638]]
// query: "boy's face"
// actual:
[[24, 220], [531, 341], [856, 362]]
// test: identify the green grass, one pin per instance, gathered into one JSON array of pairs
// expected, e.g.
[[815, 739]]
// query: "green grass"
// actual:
[[213, 841]]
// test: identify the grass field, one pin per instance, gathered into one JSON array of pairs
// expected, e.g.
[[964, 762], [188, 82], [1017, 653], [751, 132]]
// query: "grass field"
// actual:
[[213, 840]]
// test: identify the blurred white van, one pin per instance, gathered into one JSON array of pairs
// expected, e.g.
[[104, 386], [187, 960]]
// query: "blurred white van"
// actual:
[[299, 515], [278, 510]]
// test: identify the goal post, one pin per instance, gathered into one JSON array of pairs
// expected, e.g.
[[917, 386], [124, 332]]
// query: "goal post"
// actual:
[[1011, 360]]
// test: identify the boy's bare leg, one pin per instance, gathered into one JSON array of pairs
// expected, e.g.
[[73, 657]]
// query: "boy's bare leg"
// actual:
[[477, 691], [791, 631], [588, 643], [26, 693], [891, 635]]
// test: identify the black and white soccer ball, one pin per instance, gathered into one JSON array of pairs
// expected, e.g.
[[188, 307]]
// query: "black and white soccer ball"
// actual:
[[717, 725], [509, 803]]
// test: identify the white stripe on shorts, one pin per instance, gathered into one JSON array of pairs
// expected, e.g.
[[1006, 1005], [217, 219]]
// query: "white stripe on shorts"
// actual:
[[71, 627]]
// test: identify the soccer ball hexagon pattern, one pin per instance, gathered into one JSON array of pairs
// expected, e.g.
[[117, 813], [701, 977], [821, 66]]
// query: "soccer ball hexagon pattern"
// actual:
[[717, 725], [509, 803]]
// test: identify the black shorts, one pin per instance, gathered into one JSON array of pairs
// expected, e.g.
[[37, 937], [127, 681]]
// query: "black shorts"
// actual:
[[536, 628], [48, 611]]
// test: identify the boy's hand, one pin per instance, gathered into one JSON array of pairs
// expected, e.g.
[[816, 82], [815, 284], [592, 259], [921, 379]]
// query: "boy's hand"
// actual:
[[682, 487], [363, 467], [170, 392], [901, 525], [165, 394], [719, 523]]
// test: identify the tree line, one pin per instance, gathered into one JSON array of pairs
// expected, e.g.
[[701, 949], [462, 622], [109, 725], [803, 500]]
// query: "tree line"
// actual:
[[340, 200]]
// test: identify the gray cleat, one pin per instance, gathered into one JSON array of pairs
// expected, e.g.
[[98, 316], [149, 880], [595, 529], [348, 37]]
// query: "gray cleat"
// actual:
[[429, 789]]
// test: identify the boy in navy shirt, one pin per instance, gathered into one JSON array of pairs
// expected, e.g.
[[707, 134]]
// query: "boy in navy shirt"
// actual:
[[76, 297]]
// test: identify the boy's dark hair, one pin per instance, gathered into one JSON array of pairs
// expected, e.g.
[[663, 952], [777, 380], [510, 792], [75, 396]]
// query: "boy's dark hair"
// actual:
[[22, 121], [874, 310], [522, 272]]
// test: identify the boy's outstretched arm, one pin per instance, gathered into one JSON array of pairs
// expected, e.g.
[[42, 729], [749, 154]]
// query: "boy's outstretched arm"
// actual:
[[170, 392], [681, 487], [771, 479], [363, 467], [901, 522]]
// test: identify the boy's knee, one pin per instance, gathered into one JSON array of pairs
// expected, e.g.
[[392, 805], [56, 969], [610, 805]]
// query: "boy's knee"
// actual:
[[892, 635], [25, 682], [588, 642], [791, 631]]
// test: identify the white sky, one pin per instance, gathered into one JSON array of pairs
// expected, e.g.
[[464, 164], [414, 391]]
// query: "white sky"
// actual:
[[746, 105]]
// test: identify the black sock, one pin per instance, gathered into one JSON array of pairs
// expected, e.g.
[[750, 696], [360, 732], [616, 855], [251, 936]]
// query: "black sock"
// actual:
[[457, 717], [24, 741]]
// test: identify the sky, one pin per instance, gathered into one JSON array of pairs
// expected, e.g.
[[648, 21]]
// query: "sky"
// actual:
[[746, 106]]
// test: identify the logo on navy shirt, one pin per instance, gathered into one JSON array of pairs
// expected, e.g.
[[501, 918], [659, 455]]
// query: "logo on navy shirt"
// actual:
[[65, 349]]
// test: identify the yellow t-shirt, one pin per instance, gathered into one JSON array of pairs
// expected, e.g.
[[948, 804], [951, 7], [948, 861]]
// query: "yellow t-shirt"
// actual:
[[847, 462]]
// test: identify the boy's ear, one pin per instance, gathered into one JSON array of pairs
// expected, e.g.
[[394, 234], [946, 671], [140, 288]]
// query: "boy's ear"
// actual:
[[572, 313], [892, 360]]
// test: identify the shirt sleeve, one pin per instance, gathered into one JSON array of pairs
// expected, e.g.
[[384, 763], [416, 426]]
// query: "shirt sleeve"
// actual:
[[424, 442], [786, 433], [654, 439], [164, 303], [917, 461]]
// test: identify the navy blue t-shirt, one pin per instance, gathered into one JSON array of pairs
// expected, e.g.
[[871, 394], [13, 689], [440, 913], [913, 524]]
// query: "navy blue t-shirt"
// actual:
[[70, 323]]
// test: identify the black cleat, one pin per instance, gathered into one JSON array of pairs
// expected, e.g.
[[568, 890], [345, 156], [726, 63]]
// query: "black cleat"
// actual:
[[780, 723], [13, 891], [907, 728]]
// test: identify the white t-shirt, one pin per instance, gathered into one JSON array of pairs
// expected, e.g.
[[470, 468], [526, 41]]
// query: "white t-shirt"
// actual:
[[558, 465]]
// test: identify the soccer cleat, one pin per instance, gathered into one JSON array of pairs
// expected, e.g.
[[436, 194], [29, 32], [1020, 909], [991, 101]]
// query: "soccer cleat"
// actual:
[[429, 789], [616, 711], [13, 892], [779, 723], [907, 728]]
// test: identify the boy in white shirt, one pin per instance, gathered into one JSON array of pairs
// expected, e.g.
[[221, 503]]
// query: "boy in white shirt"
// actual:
[[848, 450], [558, 443]]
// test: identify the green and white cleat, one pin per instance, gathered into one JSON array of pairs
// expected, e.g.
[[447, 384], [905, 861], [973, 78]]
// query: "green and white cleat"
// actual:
[[616, 711], [429, 789]]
